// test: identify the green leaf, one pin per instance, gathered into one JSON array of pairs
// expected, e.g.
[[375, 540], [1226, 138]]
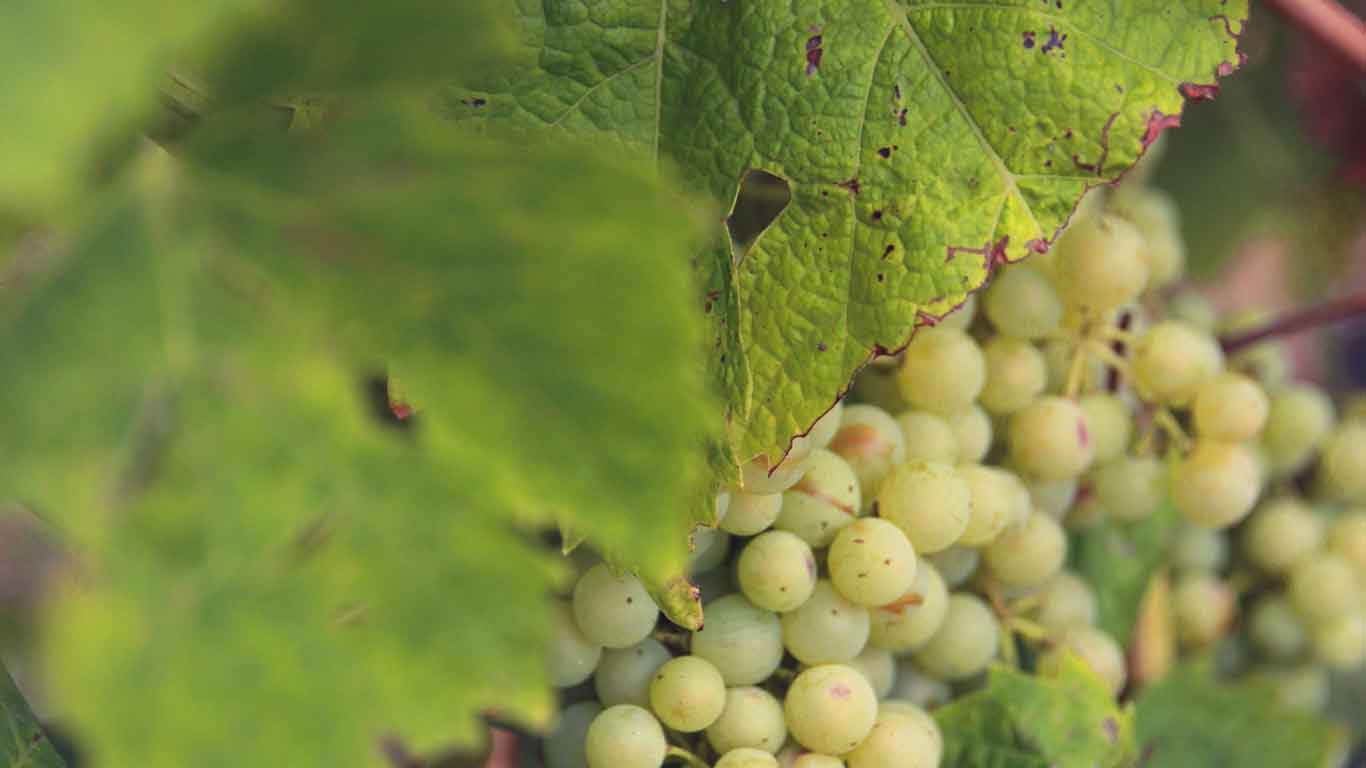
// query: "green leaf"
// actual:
[[23, 743], [923, 143], [1192, 719], [1118, 560], [1024, 721], [278, 577]]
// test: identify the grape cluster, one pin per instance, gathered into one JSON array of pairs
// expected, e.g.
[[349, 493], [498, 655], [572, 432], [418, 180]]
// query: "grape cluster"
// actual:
[[919, 531]]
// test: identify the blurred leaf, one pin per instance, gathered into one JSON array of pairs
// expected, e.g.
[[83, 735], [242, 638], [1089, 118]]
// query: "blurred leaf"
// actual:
[[1023, 721], [1191, 719], [280, 577], [1119, 560], [23, 743]]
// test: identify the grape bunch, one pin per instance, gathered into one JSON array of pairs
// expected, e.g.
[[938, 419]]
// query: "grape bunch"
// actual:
[[919, 531]]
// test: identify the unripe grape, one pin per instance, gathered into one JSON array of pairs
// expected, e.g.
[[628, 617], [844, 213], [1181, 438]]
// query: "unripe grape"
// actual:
[[943, 370], [1303, 688], [751, 513], [1281, 534], [744, 642], [1230, 407], [1267, 362], [965, 643], [955, 565], [687, 694], [998, 500], [1341, 642], [1276, 630], [1155, 216], [751, 718], [826, 629], [927, 437], [624, 674], [871, 562], [1347, 539], [1099, 265], [1324, 588], [961, 317], [908, 622], [1028, 555], [903, 738], [1203, 607], [1110, 424], [821, 432], [879, 667], [1217, 483], [1171, 361], [825, 500], [1015, 375], [876, 385], [915, 688], [814, 760], [1096, 648], [1198, 548], [872, 443], [1049, 439], [564, 747], [1342, 463], [625, 736], [1058, 355], [613, 611], [1021, 303], [1298, 421], [1064, 601], [830, 709], [777, 571], [972, 430], [755, 476], [1052, 497], [930, 502], [747, 758], [710, 547], [1194, 310], [573, 657], [1131, 488]]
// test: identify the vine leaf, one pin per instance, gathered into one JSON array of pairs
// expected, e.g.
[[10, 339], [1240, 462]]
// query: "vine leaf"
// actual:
[[23, 743], [1119, 561], [923, 142]]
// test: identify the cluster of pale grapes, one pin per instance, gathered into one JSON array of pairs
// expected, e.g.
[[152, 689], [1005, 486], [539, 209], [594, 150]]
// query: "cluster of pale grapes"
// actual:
[[918, 532]]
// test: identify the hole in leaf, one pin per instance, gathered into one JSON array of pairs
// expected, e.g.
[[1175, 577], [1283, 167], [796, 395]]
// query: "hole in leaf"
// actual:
[[762, 197]]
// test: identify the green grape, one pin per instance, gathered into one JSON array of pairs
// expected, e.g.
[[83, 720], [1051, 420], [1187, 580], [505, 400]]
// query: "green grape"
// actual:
[[1099, 264], [1342, 463], [1157, 219], [743, 641], [879, 667], [1268, 362], [1095, 647], [1057, 357], [908, 622], [915, 688], [1015, 375], [814, 760], [830, 709], [747, 758], [1171, 361], [1347, 538], [710, 547], [930, 502], [624, 674], [1298, 421], [1276, 630], [1230, 407], [1020, 302], [876, 385], [1197, 548], [573, 657], [871, 562], [1064, 601], [777, 571], [1131, 488], [613, 611], [755, 476], [625, 736], [715, 583], [1052, 497], [825, 500], [1203, 607], [902, 737], [1281, 534], [1194, 310], [751, 718], [751, 513], [821, 433], [1029, 554], [998, 500], [1217, 483], [826, 629], [871, 441], [1303, 688], [943, 370], [1341, 642], [965, 643], [1110, 424], [927, 437], [564, 747], [1324, 588], [1049, 439], [955, 565], [973, 433], [961, 317], [687, 693]]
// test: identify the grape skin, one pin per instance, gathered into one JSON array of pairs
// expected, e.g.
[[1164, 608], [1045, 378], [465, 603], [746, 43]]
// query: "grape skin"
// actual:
[[1281, 534], [1015, 375], [613, 611], [625, 736], [1171, 361], [777, 571], [943, 370], [573, 657], [1097, 649], [973, 431], [1021, 303], [905, 625], [930, 502], [755, 476], [752, 718], [965, 643], [902, 737], [814, 760], [1341, 642], [623, 675], [1203, 607], [1131, 488], [1276, 630], [1110, 424], [1099, 265], [751, 513], [1324, 588], [1049, 439], [747, 758], [1230, 407], [1216, 484], [998, 500], [871, 441], [1028, 555], [1064, 601], [927, 437], [871, 562], [710, 547], [825, 500], [1299, 419], [564, 747], [1198, 548], [830, 709], [1347, 538], [687, 694], [825, 629], [744, 642], [956, 565], [1342, 464]]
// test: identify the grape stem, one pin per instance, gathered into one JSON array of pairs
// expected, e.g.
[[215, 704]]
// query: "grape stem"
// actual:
[[1299, 320], [686, 756], [1334, 26]]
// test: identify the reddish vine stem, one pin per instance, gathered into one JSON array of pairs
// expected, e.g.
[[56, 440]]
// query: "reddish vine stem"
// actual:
[[1300, 320], [1333, 25]]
